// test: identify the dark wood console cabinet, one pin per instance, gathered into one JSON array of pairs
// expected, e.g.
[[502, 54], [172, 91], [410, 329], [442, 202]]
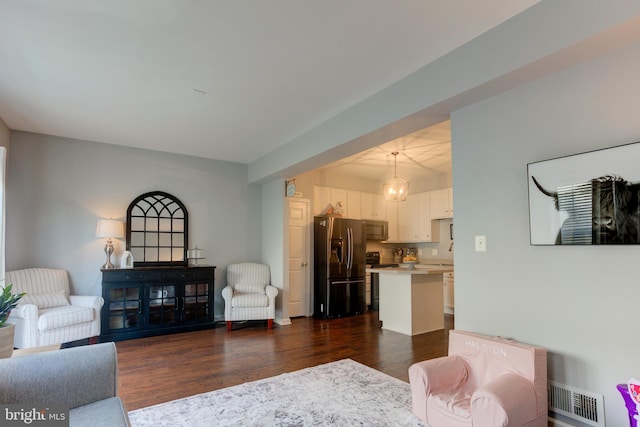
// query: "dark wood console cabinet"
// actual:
[[147, 301]]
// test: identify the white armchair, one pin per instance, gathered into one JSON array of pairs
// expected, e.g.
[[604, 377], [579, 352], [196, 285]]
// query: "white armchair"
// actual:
[[249, 294], [48, 314]]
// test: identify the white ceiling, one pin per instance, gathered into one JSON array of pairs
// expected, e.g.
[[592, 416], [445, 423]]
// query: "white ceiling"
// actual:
[[423, 153], [229, 80]]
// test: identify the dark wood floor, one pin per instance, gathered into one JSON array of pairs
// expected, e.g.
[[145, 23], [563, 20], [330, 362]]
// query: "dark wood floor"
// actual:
[[158, 369]]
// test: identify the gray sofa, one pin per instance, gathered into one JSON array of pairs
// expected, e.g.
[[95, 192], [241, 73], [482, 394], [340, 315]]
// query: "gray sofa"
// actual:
[[83, 379]]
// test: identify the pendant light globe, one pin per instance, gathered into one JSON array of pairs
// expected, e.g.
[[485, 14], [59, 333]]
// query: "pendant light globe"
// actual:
[[396, 189]]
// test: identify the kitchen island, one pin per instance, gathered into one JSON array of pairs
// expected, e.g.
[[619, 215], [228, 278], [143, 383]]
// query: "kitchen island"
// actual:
[[412, 300]]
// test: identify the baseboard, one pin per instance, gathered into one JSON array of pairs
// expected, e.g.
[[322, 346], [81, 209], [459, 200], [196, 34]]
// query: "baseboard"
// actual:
[[553, 422], [283, 321]]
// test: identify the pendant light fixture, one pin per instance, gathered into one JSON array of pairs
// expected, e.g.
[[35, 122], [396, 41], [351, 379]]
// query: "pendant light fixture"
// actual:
[[396, 189]]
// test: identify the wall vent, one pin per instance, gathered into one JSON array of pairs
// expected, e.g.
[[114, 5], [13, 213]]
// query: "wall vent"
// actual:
[[577, 404]]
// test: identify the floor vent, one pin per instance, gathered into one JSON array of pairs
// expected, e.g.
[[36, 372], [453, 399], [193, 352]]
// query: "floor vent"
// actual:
[[577, 404]]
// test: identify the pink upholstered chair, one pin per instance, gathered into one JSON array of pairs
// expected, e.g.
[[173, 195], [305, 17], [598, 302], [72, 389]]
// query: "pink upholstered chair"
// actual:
[[483, 382]]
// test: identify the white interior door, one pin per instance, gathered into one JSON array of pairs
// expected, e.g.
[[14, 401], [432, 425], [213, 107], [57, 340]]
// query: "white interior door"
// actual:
[[299, 276]]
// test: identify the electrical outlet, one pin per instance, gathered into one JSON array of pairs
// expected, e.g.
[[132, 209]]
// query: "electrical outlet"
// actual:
[[419, 252], [434, 252], [481, 243]]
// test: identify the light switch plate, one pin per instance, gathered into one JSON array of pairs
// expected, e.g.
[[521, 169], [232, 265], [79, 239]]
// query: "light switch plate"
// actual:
[[434, 252], [481, 243]]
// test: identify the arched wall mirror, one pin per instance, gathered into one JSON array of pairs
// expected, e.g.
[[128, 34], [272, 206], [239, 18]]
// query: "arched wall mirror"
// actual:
[[157, 230]]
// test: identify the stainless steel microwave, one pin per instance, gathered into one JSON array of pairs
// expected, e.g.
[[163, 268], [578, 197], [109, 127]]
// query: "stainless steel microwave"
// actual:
[[377, 230]]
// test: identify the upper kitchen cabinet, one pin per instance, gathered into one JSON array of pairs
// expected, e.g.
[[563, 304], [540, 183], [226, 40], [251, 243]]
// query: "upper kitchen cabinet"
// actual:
[[323, 196], [354, 205], [441, 203], [408, 219], [391, 210], [413, 223], [427, 230], [373, 207]]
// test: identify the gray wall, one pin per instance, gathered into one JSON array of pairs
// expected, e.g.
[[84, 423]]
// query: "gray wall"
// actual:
[[4, 134], [579, 302], [275, 244], [58, 188]]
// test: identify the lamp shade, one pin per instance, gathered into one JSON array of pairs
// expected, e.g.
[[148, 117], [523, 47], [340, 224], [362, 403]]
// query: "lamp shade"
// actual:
[[396, 189], [110, 228]]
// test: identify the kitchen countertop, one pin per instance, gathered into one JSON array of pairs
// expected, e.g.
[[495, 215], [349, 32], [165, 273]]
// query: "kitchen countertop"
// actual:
[[419, 269]]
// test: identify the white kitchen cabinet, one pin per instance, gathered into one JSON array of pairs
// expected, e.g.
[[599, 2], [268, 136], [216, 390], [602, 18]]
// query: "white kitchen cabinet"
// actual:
[[392, 219], [408, 219], [379, 208], [441, 203], [413, 222], [354, 205], [323, 196], [339, 195], [373, 206], [448, 293], [425, 229]]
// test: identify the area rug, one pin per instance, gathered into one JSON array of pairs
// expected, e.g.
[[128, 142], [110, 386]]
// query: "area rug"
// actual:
[[342, 393]]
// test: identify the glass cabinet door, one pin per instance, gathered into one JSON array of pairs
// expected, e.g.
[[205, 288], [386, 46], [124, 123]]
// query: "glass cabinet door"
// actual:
[[163, 306], [196, 302], [125, 308]]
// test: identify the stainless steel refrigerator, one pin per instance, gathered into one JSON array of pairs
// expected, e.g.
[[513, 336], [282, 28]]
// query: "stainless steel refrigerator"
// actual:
[[339, 267]]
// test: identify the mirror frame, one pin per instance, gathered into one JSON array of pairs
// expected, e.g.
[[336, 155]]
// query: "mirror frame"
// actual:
[[153, 209]]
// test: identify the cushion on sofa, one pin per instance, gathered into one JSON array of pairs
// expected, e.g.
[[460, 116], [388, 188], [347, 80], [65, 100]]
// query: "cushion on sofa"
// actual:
[[59, 317], [249, 300], [47, 300], [457, 401], [249, 288], [108, 412]]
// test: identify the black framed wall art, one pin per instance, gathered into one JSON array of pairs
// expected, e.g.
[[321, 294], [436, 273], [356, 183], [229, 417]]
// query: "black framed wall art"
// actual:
[[591, 198]]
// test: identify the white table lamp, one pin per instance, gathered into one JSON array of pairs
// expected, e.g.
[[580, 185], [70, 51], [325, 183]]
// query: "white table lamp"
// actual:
[[109, 229]]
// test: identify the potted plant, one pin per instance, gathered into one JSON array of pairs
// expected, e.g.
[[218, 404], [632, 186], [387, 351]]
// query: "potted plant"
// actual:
[[8, 300]]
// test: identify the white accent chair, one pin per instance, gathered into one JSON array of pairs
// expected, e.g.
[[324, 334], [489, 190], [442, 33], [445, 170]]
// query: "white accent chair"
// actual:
[[48, 314], [249, 294]]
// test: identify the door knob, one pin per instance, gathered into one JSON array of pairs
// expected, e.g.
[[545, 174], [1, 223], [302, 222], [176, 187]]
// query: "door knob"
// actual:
[[304, 264]]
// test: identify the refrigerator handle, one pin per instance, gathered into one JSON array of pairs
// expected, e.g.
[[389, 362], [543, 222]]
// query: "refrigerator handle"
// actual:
[[349, 248]]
